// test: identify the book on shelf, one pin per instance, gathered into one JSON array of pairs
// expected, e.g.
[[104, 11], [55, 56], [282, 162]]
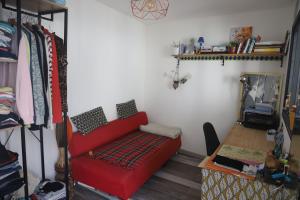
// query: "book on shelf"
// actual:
[[247, 46], [268, 47], [240, 49], [269, 43], [253, 42], [267, 50]]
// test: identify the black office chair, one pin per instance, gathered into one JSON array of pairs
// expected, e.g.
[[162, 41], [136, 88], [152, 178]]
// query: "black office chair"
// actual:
[[211, 138]]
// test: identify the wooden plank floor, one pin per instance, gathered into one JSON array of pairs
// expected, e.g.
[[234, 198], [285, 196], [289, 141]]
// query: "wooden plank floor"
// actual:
[[179, 179]]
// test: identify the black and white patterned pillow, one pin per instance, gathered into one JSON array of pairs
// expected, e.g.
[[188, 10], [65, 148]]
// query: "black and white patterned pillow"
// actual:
[[90, 120], [127, 109]]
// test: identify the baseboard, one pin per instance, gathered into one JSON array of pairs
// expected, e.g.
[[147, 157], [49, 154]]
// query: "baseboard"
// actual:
[[103, 194], [191, 154]]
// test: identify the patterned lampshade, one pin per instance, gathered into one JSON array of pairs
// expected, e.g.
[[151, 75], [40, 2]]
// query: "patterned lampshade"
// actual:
[[149, 9]]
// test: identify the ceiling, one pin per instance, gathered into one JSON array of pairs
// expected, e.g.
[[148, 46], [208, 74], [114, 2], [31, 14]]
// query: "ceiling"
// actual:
[[194, 8]]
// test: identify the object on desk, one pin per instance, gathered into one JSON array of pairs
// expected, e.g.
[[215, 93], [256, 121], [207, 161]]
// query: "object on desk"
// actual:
[[287, 101], [250, 170], [259, 120], [248, 156], [264, 108], [279, 139], [229, 163], [271, 135], [260, 100], [292, 116], [272, 163], [277, 177], [211, 138], [282, 177]]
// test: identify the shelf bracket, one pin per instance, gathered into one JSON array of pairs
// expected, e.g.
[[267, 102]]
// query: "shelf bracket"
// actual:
[[4, 6], [10, 134], [222, 60]]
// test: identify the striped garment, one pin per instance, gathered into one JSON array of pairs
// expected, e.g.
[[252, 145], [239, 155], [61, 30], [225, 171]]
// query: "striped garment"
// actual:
[[131, 150]]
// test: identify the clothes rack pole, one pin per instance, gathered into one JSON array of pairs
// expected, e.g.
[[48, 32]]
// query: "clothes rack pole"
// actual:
[[24, 160], [41, 15], [65, 113], [23, 139], [41, 129], [42, 152]]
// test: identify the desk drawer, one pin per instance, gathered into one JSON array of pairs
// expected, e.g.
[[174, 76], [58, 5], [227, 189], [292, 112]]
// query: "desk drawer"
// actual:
[[218, 185]]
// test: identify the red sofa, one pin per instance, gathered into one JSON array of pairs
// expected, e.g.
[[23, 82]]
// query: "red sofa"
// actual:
[[114, 179]]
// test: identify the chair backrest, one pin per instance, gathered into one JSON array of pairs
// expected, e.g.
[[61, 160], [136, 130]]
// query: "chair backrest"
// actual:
[[211, 138]]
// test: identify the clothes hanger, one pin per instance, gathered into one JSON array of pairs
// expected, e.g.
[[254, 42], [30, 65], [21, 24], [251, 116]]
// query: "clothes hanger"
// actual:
[[12, 21]]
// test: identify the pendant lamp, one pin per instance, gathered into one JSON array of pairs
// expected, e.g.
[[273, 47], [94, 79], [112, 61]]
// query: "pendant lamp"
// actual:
[[149, 9]]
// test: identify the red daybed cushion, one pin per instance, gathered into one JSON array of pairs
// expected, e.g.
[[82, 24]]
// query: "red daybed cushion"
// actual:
[[119, 181], [110, 178]]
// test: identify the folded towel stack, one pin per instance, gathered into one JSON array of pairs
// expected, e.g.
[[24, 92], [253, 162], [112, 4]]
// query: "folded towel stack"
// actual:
[[10, 179], [8, 117], [158, 129], [7, 100], [6, 36]]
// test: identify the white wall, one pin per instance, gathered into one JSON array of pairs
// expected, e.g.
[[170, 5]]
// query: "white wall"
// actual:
[[212, 94], [106, 54], [106, 58]]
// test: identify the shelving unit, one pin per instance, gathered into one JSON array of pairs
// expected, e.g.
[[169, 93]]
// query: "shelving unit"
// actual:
[[37, 6], [231, 57], [8, 60], [39, 9]]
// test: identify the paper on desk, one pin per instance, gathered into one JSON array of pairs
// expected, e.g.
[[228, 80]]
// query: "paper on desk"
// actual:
[[249, 156]]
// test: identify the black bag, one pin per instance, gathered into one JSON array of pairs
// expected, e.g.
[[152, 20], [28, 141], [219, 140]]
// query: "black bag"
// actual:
[[4, 156], [261, 121]]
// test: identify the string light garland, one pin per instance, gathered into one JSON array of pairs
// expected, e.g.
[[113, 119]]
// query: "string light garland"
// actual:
[[149, 9]]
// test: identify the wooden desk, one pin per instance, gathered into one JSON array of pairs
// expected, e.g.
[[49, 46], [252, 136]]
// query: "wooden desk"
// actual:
[[241, 137], [248, 138], [217, 183]]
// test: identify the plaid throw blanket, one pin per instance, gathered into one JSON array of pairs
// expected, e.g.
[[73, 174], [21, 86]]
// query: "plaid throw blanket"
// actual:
[[131, 150]]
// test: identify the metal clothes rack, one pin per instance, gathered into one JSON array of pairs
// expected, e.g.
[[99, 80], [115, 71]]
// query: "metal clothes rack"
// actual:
[[40, 9]]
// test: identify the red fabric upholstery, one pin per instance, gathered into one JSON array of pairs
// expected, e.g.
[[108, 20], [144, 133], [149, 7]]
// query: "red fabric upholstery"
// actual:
[[110, 178], [119, 181], [81, 144]]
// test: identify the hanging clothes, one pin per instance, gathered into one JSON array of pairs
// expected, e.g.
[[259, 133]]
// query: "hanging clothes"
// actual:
[[24, 97], [43, 69], [62, 71], [37, 82], [40, 75], [56, 95]]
